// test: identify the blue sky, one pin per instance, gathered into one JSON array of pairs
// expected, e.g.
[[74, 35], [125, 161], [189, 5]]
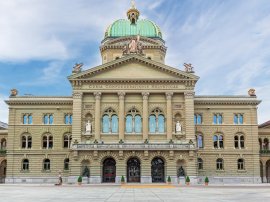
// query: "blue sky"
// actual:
[[227, 41]]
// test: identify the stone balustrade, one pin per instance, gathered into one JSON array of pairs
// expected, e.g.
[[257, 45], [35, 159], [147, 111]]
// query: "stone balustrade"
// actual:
[[134, 146]]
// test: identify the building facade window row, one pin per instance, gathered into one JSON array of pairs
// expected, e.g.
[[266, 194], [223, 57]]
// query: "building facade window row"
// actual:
[[47, 119], [238, 119], [47, 141], [218, 141], [133, 121], [220, 164], [46, 164]]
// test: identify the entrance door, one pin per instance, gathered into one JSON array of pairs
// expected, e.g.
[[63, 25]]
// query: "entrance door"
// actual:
[[157, 170], [3, 167], [133, 170], [268, 171], [109, 170]]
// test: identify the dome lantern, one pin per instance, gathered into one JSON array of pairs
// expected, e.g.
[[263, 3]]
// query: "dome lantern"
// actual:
[[133, 13]]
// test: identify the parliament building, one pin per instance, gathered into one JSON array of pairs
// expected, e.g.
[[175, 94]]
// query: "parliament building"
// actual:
[[133, 116]]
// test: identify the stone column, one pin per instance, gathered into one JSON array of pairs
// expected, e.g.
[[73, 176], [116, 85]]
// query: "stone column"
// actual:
[[145, 115], [121, 115], [77, 116], [97, 115], [189, 113], [169, 115]]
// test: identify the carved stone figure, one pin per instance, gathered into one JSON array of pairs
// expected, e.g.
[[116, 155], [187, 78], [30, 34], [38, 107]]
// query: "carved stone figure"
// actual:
[[251, 92], [181, 172], [125, 50], [77, 68], [133, 46], [88, 127], [178, 127], [188, 68], [13, 92], [86, 172]]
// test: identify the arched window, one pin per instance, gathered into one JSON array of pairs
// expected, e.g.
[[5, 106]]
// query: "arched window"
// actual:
[[46, 164], [3, 144], [26, 141], [114, 124], [25, 164], [220, 165], [133, 122], [67, 140], [239, 141], [110, 121], [157, 121], [200, 164], [47, 141], [199, 141], [66, 164], [241, 164], [218, 141]]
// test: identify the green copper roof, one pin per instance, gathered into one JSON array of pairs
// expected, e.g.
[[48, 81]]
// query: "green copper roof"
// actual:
[[122, 28]]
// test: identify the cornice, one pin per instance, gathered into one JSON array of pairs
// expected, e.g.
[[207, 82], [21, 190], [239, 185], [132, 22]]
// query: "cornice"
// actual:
[[121, 39], [35, 100], [226, 100]]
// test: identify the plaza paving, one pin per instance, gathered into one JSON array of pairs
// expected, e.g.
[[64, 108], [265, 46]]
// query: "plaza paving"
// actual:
[[130, 193]]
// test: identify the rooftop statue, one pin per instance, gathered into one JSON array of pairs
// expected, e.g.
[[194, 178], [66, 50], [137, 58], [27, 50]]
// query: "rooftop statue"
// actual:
[[188, 68], [134, 47], [77, 68]]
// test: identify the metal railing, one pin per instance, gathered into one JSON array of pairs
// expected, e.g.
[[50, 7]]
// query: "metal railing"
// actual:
[[264, 151], [3, 151]]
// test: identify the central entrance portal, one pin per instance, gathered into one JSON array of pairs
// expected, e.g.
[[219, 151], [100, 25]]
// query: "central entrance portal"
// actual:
[[157, 170], [109, 170], [133, 170]]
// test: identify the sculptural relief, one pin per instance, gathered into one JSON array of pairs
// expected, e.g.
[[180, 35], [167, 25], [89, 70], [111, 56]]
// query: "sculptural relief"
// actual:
[[77, 68], [133, 47], [88, 128], [178, 127]]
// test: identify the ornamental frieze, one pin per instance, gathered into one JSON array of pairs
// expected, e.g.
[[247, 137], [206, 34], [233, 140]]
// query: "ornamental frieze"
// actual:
[[137, 87]]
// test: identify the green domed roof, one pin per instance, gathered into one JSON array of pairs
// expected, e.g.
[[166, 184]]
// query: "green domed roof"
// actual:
[[122, 28]]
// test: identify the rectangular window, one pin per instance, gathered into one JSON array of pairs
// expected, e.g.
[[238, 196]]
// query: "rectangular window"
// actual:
[[68, 119], [197, 119], [238, 119], [48, 119], [217, 118], [27, 119]]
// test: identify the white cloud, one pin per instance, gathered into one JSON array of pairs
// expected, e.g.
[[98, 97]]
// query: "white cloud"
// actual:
[[48, 75], [227, 44], [226, 41]]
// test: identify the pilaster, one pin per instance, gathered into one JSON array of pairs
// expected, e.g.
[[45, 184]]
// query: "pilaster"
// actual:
[[121, 115], [169, 115], [145, 115], [189, 114], [77, 115], [97, 115]]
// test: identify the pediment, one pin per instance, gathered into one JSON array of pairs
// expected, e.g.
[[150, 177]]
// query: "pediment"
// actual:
[[133, 67]]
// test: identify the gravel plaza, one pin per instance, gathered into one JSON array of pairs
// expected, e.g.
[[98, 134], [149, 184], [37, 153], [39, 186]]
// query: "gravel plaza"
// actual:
[[130, 193]]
